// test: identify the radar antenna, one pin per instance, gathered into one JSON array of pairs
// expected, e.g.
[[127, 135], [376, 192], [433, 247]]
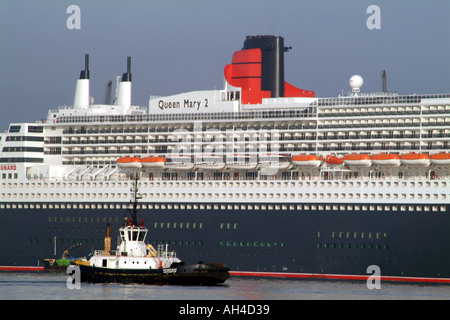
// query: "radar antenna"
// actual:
[[383, 80]]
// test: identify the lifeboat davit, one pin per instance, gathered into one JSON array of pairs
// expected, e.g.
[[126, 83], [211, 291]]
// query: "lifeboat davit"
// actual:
[[358, 160], [153, 162], [386, 159], [333, 160], [415, 159], [306, 160], [442, 158], [129, 162]]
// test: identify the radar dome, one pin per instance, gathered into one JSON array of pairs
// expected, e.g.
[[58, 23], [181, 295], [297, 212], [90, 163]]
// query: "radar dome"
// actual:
[[356, 82]]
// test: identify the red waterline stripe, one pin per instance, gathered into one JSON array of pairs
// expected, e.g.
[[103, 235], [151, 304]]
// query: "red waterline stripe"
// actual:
[[335, 276], [21, 268]]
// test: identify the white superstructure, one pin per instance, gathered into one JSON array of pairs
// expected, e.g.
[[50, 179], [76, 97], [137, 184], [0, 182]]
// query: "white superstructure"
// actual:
[[217, 149]]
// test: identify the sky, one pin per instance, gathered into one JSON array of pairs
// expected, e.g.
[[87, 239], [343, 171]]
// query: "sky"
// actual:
[[183, 45]]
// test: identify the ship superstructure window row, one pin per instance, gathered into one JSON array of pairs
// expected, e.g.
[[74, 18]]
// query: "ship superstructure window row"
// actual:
[[23, 149], [371, 99], [21, 160], [249, 115], [25, 138], [325, 208]]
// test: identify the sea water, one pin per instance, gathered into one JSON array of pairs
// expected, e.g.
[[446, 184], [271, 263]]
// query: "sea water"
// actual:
[[53, 286]]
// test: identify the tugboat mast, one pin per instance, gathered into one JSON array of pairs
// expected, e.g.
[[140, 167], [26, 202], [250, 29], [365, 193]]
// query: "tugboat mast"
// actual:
[[134, 219]]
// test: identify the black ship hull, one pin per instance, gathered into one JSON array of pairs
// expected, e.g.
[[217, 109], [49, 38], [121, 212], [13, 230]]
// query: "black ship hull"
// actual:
[[403, 240], [198, 274]]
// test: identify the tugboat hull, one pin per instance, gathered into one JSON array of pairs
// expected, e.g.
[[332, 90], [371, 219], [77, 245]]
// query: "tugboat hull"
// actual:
[[197, 274]]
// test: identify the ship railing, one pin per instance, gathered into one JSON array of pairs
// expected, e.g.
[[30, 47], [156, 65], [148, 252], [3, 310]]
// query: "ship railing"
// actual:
[[106, 253], [163, 251], [310, 112]]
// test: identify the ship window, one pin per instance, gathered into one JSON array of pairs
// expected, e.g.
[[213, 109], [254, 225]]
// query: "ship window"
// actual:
[[13, 129]]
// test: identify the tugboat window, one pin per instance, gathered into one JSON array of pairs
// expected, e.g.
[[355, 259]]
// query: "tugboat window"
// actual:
[[135, 235]]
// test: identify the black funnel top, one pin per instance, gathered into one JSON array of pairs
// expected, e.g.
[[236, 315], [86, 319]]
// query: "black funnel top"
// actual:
[[127, 76], [272, 64], [85, 73]]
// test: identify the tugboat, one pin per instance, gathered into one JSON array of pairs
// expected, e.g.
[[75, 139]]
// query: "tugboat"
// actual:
[[134, 261]]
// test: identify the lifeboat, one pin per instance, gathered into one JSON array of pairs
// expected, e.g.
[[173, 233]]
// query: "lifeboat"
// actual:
[[386, 159], [442, 158], [415, 159], [210, 162], [129, 162], [180, 162], [153, 162], [333, 160], [274, 161], [242, 162], [358, 160], [306, 160]]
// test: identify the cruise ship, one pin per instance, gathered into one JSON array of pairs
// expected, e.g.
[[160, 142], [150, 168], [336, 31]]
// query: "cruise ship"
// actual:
[[263, 175]]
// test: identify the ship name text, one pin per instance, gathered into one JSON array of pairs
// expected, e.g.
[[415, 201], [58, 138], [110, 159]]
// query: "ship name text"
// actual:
[[8, 167], [187, 104]]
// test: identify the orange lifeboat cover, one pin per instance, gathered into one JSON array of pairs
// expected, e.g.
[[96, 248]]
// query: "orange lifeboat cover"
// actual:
[[305, 157], [386, 156], [414, 156], [128, 159], [333, 160], [153, 159], [356, 156], [441, 156]]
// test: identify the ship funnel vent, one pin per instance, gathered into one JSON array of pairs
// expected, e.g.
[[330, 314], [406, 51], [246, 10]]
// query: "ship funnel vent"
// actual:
[[127, 76], [124, 91], [81, 99], [85, 73]]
